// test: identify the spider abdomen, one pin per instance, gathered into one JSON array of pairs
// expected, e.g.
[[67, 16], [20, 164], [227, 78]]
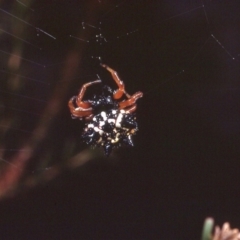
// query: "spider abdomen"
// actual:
[[110, 129]]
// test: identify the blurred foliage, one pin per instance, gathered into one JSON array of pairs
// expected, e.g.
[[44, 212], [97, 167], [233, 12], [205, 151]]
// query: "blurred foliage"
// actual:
[[224, 233], [38, 138]]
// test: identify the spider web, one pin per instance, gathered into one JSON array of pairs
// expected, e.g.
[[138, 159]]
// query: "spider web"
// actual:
[[48, 49]]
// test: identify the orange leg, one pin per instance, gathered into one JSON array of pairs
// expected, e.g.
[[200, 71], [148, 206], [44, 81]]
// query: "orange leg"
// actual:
[[79, 101], [121, 88], [131, 101], [78, 112], [83, 109], [131, 109]]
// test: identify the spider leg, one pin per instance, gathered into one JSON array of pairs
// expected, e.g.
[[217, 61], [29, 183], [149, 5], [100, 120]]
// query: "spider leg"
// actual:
[[121, 88], [78, 112], [131, 101], [79, 101], [131, 109]]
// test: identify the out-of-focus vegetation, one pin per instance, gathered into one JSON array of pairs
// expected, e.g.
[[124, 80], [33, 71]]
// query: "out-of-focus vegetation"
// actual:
[[33, 100], [224, 233]]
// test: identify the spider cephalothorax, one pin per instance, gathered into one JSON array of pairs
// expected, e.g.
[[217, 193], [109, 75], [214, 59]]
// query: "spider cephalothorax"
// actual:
[[110, 122]]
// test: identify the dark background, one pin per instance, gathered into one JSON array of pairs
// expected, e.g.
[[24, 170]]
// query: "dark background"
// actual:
[[185, 163]]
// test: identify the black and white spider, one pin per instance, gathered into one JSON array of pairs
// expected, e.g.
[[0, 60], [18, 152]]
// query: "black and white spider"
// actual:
[[110, 122]]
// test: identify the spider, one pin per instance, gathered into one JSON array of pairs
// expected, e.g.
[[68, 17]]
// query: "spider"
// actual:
[[110, 121]]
